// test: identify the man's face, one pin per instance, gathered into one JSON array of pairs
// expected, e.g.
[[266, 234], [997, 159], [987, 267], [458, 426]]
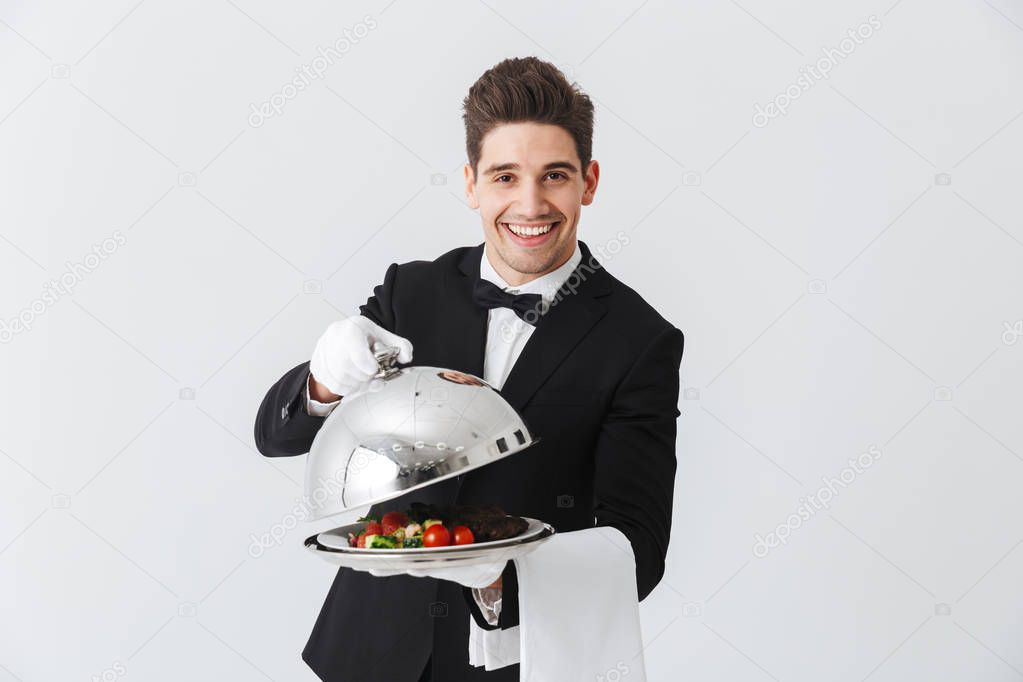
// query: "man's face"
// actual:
[[530, 191]]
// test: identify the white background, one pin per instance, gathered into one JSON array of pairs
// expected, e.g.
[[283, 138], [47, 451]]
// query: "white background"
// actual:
[[837, 292]]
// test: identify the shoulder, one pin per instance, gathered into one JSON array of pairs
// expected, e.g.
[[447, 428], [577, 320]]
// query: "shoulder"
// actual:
[[423, 271], [631, 328], [627, 307]]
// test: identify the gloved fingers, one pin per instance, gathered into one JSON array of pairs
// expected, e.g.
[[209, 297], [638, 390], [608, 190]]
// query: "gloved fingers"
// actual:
[[469, 576], [403, 345], [362, 361], [348, 357], [405, 354], [353, 378], [342, 385], [376, 333], [383, 573], [339, 334]]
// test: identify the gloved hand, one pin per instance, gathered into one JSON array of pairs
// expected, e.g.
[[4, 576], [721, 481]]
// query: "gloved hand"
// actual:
[[343, 359], [476, 575]]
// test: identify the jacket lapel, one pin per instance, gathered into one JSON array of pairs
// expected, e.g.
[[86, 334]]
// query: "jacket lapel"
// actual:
[[556, 334], [559, 330], [465, 348]]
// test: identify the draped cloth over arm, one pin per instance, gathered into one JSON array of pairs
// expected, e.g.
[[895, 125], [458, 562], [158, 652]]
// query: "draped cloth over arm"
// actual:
[[578, 613]]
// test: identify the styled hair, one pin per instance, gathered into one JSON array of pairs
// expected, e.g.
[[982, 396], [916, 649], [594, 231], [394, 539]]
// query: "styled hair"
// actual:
[[523, 89]]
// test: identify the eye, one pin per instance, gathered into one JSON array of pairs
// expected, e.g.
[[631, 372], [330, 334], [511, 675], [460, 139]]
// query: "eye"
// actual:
[[558, 173], [498, 178]]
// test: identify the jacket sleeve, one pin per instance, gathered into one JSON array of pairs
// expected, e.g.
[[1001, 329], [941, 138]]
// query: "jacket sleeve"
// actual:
[[283, 427], [634, 475]]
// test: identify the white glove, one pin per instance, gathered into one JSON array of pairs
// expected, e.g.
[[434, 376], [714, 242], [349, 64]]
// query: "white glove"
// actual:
[[476, 575], [343, 359]]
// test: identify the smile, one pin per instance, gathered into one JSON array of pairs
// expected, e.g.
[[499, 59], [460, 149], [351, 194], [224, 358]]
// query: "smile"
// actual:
[[528, 231]]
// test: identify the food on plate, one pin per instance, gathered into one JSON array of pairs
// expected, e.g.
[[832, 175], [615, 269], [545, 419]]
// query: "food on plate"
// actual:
[[427, 525], [436, 535], [392, 521], [380, 542], [372, 528], [486, 523], [462, 535]]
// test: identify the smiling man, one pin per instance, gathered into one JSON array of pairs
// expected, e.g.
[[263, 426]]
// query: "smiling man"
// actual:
[[592, 368]]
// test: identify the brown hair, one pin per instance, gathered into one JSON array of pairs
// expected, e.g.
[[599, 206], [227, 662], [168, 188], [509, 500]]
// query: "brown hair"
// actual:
[[526, 89]]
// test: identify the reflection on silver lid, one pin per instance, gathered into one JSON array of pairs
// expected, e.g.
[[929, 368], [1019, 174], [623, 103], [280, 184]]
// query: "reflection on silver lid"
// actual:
[[411, 427]]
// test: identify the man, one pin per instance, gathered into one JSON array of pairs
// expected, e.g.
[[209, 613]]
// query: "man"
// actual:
[[592, 368]]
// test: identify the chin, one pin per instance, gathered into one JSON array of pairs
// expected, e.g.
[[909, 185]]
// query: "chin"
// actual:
[[531, 263]]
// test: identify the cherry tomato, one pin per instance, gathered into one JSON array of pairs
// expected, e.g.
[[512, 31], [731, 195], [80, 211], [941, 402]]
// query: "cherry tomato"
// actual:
[[436, 536], [392, 521], [361, 542], [373, 528], [463, 535]]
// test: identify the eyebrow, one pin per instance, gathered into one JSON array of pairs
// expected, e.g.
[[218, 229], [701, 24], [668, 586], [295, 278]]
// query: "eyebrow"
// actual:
[[554, 165]]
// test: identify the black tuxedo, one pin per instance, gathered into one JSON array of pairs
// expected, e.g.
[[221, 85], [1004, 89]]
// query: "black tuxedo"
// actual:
[[597, 382]]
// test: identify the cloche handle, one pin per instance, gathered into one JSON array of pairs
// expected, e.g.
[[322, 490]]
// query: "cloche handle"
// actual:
[[387, 359]]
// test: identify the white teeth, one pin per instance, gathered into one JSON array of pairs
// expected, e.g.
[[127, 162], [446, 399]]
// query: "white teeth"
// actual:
[[529, 231]]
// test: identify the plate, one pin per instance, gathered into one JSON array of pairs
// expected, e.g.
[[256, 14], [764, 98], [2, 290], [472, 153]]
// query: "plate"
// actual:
[[332, 545]]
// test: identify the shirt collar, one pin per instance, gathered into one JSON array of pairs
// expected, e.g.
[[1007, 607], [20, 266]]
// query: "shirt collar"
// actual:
[[546, 285]]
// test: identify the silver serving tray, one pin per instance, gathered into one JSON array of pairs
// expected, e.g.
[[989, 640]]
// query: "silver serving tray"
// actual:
[[332, 545]]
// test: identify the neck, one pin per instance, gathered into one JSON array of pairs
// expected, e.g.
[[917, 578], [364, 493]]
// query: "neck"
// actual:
[[514, 277]]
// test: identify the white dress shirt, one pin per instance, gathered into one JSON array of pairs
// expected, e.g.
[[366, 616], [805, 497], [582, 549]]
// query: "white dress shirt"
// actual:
[[507, 335]]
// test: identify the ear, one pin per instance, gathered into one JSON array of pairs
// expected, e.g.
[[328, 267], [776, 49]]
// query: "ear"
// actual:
[[590, 182], [470, 187]]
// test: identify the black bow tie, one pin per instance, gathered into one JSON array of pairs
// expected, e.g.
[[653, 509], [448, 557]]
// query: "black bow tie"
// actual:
[[529, 307]]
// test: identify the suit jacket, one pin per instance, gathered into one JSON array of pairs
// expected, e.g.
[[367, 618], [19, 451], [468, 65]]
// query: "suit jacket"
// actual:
[[597, 382]]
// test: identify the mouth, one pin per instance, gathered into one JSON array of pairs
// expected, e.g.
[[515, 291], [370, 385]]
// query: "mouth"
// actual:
[[530, 234]]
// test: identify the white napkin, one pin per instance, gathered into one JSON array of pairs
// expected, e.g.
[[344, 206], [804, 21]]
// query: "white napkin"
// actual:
[[493, 649], [578, 612]]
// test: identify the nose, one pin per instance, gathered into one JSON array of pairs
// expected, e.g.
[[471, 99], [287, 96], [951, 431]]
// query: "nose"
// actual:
[[531, 202]]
